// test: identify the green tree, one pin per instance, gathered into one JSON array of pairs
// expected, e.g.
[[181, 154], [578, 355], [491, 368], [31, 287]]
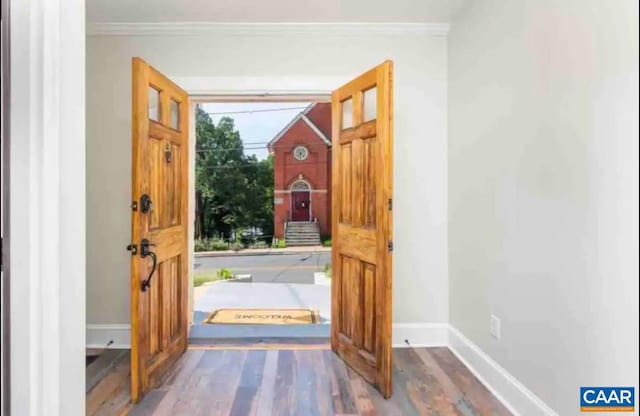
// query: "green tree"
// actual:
[[232, 190], [259, 191]]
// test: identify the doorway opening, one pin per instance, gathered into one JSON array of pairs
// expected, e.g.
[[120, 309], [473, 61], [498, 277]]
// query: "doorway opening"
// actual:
[[300, 201], [262, 233]]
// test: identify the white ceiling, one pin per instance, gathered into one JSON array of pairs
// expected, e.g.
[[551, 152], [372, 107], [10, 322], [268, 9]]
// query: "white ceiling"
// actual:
[[249, 11]]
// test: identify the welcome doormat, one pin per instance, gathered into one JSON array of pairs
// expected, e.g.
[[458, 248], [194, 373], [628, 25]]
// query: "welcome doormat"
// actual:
[[264, 316]]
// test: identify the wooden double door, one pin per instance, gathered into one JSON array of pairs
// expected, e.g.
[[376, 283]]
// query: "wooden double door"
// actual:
[[361, 225]]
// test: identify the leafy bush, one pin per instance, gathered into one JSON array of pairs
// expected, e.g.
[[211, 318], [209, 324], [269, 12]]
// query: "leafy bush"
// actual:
[[326, 243], [259, 244], [210, 244], [327, 270], [225, 274], [281, 243]]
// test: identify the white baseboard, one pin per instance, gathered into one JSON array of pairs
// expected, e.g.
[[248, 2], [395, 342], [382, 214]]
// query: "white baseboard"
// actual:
[[109, 336], [419, 335], [511, 392]]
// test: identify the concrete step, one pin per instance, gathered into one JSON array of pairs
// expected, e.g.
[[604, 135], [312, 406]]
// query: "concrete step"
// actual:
[[302, 243], [309, 238], [302, 236], [302, 224], [302, 233]]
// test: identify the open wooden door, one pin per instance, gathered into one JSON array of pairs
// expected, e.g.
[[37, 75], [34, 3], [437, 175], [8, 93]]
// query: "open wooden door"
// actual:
[[362, 224], [159, 263]]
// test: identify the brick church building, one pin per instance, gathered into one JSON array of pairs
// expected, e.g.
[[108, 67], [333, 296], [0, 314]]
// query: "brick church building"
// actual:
[[302, 176]]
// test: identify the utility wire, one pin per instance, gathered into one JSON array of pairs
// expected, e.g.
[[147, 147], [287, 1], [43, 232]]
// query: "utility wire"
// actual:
[[243, 165], [255, 145], [262, 110], [231, 149]]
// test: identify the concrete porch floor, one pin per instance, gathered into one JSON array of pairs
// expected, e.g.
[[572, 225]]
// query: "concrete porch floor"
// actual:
[[229, 294]]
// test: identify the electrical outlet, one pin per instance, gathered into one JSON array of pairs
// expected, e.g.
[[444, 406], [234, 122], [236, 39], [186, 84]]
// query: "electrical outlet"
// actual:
[[494, 327]]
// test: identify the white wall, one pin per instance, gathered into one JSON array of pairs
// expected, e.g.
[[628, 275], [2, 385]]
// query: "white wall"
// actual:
[[543, 190], [420, 253]]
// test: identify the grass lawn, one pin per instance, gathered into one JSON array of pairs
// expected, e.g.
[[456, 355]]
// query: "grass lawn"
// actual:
[[205, 276]]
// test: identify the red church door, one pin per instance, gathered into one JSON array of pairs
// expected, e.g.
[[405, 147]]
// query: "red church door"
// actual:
[[300, 206]]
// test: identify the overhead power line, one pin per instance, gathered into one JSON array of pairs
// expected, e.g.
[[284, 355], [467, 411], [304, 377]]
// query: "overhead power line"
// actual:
[[244, 165], [259, 110], [254, 146]]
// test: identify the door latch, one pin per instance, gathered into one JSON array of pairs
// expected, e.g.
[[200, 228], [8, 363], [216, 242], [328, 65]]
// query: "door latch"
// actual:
[[390, 246], [133, 248]]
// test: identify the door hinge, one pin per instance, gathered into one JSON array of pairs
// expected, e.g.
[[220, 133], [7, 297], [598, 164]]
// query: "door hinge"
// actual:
[[390, 204], [134, 206], [390, 246], [133, 248]]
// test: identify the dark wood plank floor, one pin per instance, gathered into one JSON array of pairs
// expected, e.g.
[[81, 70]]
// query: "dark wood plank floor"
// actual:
[[307, 382]]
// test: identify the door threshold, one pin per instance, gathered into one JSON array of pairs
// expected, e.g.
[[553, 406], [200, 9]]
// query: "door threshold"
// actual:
[[253, 343], [215, 332]]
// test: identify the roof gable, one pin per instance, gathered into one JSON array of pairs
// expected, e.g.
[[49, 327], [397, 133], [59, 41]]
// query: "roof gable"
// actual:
[[320, 115], [302, 116]]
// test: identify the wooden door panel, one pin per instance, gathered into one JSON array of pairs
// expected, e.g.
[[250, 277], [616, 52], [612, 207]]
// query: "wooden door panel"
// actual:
[[345, 187], [159, 311], [154, 153], [369, 308], [173, 185], [361, 232], [369, 184], [164, 298]]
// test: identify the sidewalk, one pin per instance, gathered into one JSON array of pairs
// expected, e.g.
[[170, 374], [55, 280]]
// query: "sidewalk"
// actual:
[[263, 251]]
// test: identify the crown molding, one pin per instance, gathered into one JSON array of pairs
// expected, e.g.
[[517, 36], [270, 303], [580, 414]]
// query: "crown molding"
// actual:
[[265, 29]]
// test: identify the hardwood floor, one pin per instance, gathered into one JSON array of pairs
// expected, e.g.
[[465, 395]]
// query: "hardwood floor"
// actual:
[[306, 382]]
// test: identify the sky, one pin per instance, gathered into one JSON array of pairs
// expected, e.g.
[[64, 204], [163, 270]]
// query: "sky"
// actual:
[[256, 128]]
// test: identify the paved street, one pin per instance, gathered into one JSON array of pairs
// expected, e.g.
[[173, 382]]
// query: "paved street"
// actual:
[[274, 268]]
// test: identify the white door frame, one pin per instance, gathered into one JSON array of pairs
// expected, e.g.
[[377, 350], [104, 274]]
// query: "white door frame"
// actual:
[[242, 89], [47, 207]]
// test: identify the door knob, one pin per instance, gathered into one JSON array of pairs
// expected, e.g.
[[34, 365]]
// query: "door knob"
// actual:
[[145, 203]]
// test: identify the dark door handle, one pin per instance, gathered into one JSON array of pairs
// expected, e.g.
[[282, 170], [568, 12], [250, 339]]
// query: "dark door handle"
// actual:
[[144, 252], [145, 203]]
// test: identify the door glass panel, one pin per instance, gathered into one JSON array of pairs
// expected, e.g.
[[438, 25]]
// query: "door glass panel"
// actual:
[[174, 122], [154, 100], [370, 103], [347, 113]]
